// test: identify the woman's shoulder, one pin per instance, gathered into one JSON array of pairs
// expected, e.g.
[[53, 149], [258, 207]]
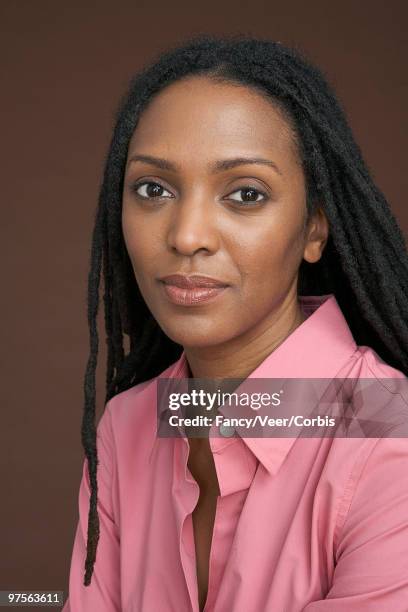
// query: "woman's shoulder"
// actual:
[[133, 406], [375, 365], [380, 389]]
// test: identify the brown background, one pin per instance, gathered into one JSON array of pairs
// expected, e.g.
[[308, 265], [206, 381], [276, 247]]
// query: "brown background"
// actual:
[[65, 66]]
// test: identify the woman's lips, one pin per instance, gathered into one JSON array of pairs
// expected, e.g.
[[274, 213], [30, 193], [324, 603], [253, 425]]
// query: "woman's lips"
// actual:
[[193, 296]]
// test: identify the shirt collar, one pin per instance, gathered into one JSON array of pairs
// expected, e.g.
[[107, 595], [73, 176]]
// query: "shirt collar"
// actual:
[[318, 348]]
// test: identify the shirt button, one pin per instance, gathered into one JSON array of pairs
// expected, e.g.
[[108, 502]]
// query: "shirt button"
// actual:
[[226, 430]]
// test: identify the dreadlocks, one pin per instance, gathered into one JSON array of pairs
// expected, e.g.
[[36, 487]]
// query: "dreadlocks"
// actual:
[[364, 263]]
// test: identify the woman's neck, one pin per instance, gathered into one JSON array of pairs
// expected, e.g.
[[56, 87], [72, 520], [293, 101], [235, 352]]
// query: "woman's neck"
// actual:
[[241, 356]]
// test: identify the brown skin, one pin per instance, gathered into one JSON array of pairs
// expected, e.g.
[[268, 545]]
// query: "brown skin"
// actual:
[[203, 223], [255, 247]]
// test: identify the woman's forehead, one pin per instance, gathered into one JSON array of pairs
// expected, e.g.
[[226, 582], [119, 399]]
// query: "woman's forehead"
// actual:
[[201, 115]]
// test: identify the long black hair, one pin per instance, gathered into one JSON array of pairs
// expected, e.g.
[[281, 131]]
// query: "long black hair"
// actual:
[[364, 263]]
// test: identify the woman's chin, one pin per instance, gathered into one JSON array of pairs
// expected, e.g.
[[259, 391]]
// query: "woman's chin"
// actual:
[[189, 338]]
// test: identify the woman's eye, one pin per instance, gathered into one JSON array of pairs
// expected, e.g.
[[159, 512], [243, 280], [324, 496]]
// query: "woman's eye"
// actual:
[[249, 195], [150, 189]]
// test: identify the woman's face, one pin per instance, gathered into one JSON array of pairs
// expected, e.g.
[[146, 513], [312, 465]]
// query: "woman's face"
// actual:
[[242, 223]]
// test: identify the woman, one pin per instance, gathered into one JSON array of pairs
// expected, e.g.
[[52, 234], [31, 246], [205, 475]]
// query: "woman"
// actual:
[[232, 160]]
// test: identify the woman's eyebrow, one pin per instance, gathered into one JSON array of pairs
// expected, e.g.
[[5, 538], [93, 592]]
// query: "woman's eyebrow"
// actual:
[[217, 166]]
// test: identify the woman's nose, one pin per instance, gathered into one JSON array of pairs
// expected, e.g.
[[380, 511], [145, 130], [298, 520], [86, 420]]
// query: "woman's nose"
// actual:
[[193, 226]]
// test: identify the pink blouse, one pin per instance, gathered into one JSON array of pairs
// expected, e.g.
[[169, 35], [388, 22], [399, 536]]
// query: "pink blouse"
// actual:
[[308, 524]]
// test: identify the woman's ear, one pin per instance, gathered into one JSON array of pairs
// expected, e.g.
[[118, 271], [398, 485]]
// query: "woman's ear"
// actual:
[[317, 232]]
